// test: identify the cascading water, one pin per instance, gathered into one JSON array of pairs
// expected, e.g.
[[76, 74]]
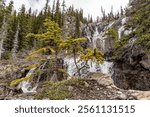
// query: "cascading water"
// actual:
[[121, 29], [69, 63], [95, 37], [25, 86], [105, 68]]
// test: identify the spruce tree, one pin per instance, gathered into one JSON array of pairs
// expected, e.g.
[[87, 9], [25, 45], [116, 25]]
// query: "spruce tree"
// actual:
[[73, 46], [77, 31], [53, 11], [58, 14], [51, 39]]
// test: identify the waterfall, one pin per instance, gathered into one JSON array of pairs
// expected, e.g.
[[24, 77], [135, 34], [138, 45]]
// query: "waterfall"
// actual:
[[105, 68], [95, 37], [25, 86], [97, 41], [3, 34], [15, 42], [70, 65], [121, 29]]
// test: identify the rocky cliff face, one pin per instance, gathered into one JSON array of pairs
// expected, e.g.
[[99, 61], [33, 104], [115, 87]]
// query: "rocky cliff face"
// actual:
[[131, 68]]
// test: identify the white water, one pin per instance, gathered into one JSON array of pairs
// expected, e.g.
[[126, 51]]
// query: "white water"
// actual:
[[95, 37], [92, 67], [106, 67], [98, 39], [121, 29], [26, 85]]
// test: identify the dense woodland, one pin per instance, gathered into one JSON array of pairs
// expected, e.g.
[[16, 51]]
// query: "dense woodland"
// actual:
[[16, 25]]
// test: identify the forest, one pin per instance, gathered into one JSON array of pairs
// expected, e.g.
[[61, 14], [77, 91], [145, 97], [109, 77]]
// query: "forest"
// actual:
[[58, 53]]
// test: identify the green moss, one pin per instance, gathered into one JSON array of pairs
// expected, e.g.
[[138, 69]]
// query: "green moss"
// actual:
[[17, 81], [59, 90], [55, 94]]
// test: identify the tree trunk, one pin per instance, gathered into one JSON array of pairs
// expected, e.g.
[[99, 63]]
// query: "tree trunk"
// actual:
[[74, 56], [55, 75]]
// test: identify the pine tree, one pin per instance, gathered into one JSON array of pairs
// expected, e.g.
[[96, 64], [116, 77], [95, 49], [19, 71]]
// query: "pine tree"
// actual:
[[11, 31], [25, 22], [63, 12], [103, 13], [73, 46], [121, 11], [51, 39], [47, 10], [58, 14], [93, 56], [77, 31], [53, 11], [7, 10]]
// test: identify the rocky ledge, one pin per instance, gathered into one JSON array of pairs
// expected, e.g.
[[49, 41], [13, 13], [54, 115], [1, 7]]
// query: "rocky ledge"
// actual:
[[96, 86]]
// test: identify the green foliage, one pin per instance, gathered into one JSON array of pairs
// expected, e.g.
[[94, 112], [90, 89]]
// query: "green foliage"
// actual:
[[17, 81], [145, 41], [140, 21], [93, 56], [32, 66], [50, 39], [72, 45], [31, 22], [112, 33], [7, 55], [60, 90]]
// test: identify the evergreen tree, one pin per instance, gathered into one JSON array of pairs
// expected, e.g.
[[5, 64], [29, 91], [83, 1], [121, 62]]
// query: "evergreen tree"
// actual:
[[53, 11], [24, 20], [51, 39], [77, 32], [58, 14], [92, 56], [121, 11], [7, 10], [63, 12], [73, 46]]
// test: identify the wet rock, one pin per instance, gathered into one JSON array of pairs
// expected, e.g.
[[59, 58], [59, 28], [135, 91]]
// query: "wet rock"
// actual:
[[145, 62], [131, 71]]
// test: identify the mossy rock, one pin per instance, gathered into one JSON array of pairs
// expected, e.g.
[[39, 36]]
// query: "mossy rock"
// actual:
[[17, 81], [55, 94], [59, 90]]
